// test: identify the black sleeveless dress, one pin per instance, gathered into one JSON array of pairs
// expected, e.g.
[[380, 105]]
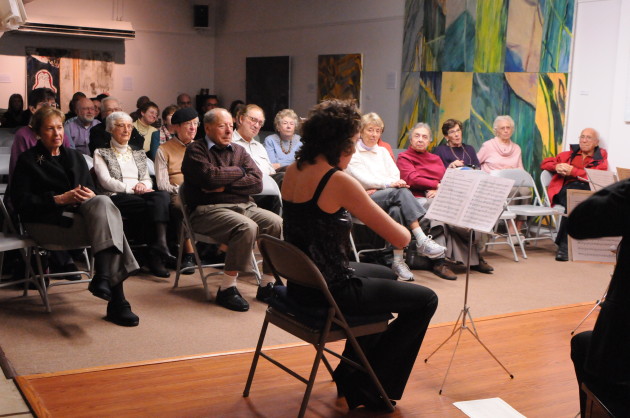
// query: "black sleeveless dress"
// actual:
[[324, 237]]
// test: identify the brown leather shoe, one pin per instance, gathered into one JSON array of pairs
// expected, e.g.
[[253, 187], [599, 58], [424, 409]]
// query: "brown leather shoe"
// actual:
[[442, 271], [483, 267]]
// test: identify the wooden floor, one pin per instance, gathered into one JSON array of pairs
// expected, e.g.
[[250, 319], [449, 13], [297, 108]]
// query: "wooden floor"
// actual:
[[534, 346]]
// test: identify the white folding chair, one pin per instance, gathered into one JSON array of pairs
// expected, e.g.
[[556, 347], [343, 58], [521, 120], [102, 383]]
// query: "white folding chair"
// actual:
[[270, 188], [89, 160], [536, 210], [11, 240], [507, 219], [188, 233], [545, 179]]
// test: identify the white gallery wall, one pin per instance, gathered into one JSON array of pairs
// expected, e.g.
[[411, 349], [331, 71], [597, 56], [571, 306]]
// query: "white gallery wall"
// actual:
[[599, 88], [304, 29], [168, 55]]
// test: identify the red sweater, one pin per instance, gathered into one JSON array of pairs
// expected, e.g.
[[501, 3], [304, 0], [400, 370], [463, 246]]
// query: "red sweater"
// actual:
[[421, 170], [599, 161]]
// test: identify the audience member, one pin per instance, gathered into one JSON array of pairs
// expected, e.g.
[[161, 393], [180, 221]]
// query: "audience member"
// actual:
[[100, 138], [250, 122], [25, 137], [282, 146], [77, 129], [220, 178], [148, 114], [165, 132], [500, 153], [454, 153], [97, 108], [374, 168], [54, 195], [569, 173], [602, 357], [168, 168], [318, 198], [423, 172], [135, 115], [209, 102], [183, 101], [13, 116], [236, 108], [123, 174], [72, 111]]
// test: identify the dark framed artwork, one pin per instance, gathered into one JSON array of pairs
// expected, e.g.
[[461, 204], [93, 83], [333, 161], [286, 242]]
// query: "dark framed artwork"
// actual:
[[267, 84], [339, 77]]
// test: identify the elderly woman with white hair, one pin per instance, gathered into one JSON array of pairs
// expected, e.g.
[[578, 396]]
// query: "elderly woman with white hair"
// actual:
[[374, 168], [500, 153], [123, 174], [282, 146]]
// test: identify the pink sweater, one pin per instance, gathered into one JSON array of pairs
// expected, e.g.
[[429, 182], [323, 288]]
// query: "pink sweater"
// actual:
[[494, 155], [421, 170]]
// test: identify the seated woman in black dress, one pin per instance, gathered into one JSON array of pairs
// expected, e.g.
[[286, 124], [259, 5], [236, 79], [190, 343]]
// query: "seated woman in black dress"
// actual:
[[122, 173], [53, 193], [317, 200]]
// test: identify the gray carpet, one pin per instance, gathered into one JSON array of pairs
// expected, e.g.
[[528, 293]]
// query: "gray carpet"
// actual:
[[179, 322]]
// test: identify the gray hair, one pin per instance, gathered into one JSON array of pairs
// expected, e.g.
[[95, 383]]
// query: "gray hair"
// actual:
[[112, 118], [422, 125], [211, 115], [506, 118]]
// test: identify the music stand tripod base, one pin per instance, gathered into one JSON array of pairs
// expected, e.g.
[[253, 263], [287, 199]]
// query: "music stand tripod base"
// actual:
[[461, 321]]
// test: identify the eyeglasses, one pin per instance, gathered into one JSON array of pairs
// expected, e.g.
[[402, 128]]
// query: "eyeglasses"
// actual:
[[113, 109], [190, 123], [50, 104], [124, 126], [454, 131], [374, 130], [256, 121]]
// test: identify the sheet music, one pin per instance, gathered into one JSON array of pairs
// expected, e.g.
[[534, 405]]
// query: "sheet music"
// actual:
[[623, 173], [470, 199], [596, 250], [599, 179]]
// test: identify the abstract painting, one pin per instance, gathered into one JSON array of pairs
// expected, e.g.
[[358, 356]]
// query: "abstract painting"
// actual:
[[473, 60], [339, 77]]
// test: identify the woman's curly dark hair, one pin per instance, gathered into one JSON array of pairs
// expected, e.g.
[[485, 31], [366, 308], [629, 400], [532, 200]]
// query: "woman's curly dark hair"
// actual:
[[328, 131]]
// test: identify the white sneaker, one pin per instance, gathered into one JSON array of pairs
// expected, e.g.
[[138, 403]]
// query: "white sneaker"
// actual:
[[429, 248], [401, 269]]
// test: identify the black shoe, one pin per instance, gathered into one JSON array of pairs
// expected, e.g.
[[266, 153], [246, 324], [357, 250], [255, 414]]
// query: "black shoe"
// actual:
[[441, 270], [264, 293], [68, 268], [483, 267], [563, 253], [120, 314], [100, 288], [165, 255], [358, 390], [231, 298], [188, 262], [156, 267]]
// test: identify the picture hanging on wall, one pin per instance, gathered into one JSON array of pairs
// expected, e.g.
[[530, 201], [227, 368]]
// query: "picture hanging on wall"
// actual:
[[477, 59], [339, 77], [267, 84], [67, 71]]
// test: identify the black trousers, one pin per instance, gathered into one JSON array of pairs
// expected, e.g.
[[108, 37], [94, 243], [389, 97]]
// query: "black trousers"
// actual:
[[391, 354], [561, 199], [152, 206]]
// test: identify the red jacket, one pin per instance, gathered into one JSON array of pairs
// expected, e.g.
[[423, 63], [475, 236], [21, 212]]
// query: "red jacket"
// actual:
[[421, 170], [599, 161]]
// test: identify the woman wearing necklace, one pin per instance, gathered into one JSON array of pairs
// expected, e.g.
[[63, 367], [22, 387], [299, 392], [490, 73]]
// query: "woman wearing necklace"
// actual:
[[53, 193], [455, 153], [123, 174], [281, 147]]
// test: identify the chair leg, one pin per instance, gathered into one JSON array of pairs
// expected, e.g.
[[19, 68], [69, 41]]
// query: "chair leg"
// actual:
[[256, 269], [180, 254], [509, 239], [354, 248], [42, 282], [252, 369], [328, 366], [521, 242]]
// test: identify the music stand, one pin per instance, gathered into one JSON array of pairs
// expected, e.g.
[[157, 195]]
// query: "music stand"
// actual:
[[467, 202]]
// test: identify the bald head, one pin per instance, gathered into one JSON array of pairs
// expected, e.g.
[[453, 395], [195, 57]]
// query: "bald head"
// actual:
[[589, 139]]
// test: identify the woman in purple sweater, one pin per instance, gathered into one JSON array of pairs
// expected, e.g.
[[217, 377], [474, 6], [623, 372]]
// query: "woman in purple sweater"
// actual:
[[454, 153]]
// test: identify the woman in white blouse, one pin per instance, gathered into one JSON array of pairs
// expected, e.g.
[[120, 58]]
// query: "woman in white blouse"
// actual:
[[123, 174]]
